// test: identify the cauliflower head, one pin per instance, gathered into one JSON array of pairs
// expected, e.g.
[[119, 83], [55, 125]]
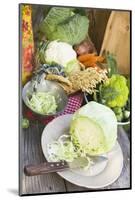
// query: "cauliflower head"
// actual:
[[63, 54], [114, 92]]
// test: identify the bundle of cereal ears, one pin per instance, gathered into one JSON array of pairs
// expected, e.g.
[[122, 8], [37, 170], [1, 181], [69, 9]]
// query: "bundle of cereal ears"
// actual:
[[85, 80]]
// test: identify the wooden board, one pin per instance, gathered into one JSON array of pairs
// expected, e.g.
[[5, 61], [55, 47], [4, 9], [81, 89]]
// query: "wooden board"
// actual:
[[31, 153], [97, 26], [117, 39]]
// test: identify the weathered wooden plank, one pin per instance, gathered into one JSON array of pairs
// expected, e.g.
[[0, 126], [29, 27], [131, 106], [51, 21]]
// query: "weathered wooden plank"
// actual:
[[32, 154], [98, 21], [117, 39], [124, 180]]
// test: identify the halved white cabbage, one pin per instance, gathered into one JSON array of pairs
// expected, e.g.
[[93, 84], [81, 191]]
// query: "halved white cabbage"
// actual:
[[94, 128]]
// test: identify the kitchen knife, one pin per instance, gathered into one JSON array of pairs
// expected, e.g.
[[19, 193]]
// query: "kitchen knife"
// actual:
[[78, 163]]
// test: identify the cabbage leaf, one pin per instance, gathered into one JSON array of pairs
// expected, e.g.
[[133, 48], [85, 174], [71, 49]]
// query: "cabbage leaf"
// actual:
[[65, 25]]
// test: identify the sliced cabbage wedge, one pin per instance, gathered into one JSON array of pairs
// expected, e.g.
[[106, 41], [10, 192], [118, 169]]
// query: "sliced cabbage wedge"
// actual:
[[94, 129]]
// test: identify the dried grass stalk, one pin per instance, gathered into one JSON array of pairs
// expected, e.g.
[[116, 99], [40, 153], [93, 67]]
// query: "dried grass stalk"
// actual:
[[87, 80]]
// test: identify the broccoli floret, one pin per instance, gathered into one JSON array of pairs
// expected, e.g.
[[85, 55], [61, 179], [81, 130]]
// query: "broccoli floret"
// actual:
[[114, 93], [117, 110], [126, 114], [119, 117], [25, 123]]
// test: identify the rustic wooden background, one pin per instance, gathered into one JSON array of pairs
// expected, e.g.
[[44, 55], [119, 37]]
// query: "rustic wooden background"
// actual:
[[98, 22], [117, 39], [110, 31]]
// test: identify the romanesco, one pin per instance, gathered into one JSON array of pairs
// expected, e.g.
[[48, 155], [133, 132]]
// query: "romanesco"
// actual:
[[114, 92]]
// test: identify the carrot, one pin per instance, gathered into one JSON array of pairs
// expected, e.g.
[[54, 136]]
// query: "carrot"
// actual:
[[89, 63], [100, 59], [90, 58], [85, 57], [93, 60]]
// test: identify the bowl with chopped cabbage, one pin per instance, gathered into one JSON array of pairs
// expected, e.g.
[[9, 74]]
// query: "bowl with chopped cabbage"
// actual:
[[47, 99]]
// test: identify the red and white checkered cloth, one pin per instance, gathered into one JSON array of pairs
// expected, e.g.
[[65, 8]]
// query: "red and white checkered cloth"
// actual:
[[74, 103]]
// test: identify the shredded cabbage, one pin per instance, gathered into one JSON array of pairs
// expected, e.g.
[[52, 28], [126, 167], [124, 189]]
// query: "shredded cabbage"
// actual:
[[42, 102], [64, 149]]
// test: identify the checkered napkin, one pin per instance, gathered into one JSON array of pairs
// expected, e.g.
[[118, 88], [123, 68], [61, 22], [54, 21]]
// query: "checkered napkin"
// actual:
[[74, 103]]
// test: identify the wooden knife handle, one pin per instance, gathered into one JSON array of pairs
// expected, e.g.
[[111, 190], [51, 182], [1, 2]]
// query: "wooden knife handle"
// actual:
[[47, 167]]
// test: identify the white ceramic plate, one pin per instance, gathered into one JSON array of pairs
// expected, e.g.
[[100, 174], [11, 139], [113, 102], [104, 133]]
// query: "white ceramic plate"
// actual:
[[112, 171]]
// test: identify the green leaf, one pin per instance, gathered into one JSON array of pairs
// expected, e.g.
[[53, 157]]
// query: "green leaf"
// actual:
[[111, 64]]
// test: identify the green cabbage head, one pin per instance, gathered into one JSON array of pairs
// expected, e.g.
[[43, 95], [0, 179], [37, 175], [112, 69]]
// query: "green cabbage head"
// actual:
[[66, 25], [94, 129]]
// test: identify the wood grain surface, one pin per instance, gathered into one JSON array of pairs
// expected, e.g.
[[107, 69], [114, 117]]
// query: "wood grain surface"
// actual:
[[117, 39], [97, 25], [31, 153]]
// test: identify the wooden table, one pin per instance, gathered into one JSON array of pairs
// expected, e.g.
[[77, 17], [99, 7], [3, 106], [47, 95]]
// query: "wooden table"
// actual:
[[31, 153]]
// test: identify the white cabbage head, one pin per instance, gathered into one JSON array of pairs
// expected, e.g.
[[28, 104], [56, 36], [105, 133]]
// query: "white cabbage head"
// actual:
[[94, 128]]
